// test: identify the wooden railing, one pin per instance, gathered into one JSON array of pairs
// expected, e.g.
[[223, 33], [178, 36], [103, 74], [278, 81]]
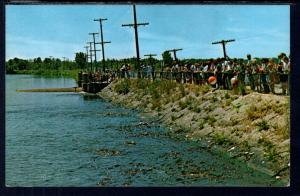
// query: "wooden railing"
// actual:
[[259, 82]]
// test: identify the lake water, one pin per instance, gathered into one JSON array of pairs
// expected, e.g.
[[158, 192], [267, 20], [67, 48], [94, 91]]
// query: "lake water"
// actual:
[[66, 139]]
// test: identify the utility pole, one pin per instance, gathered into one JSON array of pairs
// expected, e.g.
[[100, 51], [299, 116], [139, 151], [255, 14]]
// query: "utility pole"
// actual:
[[150, 56], [86, 53], [63, 63], [95, 50], [223, 42], [174, 52], [102, 42], [91, 56], [135, 26]]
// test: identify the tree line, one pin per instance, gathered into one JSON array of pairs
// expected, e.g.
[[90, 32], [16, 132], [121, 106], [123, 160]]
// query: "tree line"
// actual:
[[18, 65]]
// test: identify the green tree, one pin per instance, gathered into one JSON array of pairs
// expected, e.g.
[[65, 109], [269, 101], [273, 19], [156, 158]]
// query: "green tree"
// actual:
[[167, 58], [37, 60], [80, 60]]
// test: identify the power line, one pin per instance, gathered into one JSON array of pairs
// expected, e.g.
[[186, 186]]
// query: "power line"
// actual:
[[174, 52], [95, 50], [150, 56], [91, 57], [102, 42], [135, 26], [223, 42], [87, 53]]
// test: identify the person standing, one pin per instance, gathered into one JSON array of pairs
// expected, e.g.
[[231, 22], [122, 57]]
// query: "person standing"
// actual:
[[283, 77], [193, 74], [240, 71], [153, 71], [272, 75], [218, 74], [264, 72], [286, 70]]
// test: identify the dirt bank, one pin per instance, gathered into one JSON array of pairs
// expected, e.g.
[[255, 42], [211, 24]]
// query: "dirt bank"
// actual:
[[253, 128]]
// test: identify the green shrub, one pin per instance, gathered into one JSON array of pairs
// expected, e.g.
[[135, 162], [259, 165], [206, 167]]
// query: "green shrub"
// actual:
[[245, 145], [253, 112], [262, 125], [282, 131], [201, 126], [205, 89], [182, 90], [269, 148], [123, 87], [196, 109], [227, 96], [173, 118], [182, 104], [221, 139], [142, 83], [214, 99], [210, 119]]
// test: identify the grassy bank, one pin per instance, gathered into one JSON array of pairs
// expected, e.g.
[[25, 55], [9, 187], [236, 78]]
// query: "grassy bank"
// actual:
[[51, 73], [253, 128]]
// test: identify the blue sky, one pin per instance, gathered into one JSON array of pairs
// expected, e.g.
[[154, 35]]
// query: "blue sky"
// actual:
[[61, 30]]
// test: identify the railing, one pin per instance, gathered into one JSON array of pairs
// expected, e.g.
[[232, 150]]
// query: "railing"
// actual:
[[259, 82]]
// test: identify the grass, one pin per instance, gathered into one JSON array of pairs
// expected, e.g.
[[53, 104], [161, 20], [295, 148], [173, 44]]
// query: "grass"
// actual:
[[226, 103], [205, 89], [196, 109], [209, 108], [245, 145], [123, 87], [258, 111], [156, 104], [253, 112], [214, 99], [210, 119], [201, 126], [221, 139], [279, 110], [269, 148], [234, 122], [182, 90], [282, 131], [227, 96], [173, 118], [191, 103], [182, 105], [262, 125]]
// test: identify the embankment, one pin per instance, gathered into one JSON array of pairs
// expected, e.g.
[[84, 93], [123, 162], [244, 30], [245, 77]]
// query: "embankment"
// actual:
[[253, 127]]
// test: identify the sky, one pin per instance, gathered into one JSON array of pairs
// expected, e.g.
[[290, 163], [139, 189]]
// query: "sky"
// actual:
[[62, 30]]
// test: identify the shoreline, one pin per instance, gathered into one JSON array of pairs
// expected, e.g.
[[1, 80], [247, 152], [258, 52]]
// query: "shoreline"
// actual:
[[242, 126], [72, 74]]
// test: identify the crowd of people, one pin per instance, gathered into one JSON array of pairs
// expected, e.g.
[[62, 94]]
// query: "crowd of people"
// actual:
[[260, 74]]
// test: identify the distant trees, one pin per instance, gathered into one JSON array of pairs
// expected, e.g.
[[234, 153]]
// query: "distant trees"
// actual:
[[80, 60], [16, 64], [167, 58]]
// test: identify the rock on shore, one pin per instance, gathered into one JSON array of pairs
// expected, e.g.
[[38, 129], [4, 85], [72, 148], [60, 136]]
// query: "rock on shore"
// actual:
[[253, 127]]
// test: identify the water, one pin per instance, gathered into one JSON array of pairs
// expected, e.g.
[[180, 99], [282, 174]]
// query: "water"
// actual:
[[65, 139]]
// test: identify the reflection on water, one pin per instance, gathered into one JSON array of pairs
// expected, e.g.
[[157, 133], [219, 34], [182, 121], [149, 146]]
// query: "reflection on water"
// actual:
[[66, 139]]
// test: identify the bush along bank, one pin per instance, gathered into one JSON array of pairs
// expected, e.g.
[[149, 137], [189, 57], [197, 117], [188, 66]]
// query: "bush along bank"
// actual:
[[50, 73], [253, 127]]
